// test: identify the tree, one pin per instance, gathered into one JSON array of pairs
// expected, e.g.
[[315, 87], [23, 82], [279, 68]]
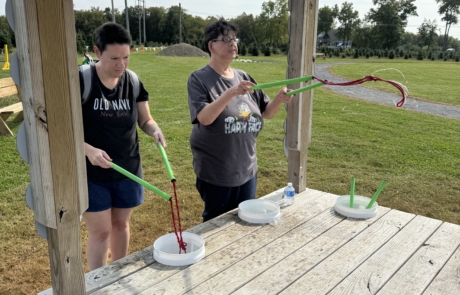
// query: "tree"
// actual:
[[272, 23], [6, 33], [326, 17], [349, 20], [246, 25], [389, 20], [362, 37], [87, 21], [427, 33], [449, 9]]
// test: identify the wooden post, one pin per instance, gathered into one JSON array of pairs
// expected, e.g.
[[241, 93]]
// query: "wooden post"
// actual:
[[301, 58], [46, 47]]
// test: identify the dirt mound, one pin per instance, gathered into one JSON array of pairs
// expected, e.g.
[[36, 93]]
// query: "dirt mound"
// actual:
[[183, 49]]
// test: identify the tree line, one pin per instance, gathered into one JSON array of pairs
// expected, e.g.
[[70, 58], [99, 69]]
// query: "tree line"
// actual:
[[383, 27]]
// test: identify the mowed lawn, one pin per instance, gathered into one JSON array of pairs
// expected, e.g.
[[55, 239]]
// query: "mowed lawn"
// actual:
[[434, 81], [417, 154]]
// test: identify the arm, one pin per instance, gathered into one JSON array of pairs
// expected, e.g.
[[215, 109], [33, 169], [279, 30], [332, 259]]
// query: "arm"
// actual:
[[211, 111], [147, 124], [273, 106]]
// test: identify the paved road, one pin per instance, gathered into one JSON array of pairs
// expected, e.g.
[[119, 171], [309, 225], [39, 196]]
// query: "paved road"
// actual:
[[322, 72]]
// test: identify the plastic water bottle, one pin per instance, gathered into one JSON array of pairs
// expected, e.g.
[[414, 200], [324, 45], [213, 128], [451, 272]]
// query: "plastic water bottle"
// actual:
[[289, 193]]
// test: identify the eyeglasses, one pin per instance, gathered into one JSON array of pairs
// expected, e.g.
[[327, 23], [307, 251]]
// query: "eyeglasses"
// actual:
[[227, 40]]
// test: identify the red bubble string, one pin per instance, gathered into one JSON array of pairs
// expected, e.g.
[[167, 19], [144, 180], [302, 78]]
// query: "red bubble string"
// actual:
[[367, 79]]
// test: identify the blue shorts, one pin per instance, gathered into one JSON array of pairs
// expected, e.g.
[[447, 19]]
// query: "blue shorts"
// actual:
[[117, 194]]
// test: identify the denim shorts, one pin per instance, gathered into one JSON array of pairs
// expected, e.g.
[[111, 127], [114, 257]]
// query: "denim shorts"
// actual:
[[116, 194]]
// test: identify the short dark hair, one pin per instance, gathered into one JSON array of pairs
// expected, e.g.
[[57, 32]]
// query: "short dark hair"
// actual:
[[212, 31], [111, 33]]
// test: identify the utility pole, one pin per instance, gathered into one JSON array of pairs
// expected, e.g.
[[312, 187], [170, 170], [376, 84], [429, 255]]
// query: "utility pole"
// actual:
[[127, 16], [145, 32], [113, 13], [139, 18], [180, 24]]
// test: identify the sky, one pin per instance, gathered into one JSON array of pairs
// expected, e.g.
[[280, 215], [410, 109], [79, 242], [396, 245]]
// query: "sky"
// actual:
[[426, 9]]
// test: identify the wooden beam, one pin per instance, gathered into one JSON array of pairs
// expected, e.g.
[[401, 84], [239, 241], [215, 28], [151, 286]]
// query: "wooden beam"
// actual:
[[4, 82], [301, 58], [54, 129]]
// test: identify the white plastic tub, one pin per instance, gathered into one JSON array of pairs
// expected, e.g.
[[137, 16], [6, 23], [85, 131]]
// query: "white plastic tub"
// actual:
[[342, 206], [259, 211], [166, 249]]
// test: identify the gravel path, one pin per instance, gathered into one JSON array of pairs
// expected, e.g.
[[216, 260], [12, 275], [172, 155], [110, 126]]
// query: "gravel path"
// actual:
[[322, 71]]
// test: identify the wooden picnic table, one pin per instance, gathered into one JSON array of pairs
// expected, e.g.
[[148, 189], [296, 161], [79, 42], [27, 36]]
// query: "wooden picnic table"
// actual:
[[309, 250]]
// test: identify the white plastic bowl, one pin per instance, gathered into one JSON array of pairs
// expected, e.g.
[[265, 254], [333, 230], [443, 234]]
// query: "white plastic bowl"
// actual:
[[342, 206], [258, 211], [166, 249]]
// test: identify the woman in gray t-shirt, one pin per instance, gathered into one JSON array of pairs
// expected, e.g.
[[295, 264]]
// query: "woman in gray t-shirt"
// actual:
[[227, 116]]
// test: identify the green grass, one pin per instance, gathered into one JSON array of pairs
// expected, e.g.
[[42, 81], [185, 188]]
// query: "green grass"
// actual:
[[417, 154], [435, 81]]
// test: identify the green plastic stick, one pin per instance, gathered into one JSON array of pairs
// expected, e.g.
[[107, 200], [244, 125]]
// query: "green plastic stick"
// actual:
[[283, 82], [376, 195], [165, 159], [305, 88], [141, 181], [352, 192]]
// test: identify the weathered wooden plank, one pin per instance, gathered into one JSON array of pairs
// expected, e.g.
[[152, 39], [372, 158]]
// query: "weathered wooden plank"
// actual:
[[370, 276], [5, 82], [14, 108], [245, 270], [282, 274], [302, 40], [418, 272], [447, 282], [125, 266], [7, 91], [326, 275], [122, 268], [35, 115], [65, 138], [223, 249], [70, 42]]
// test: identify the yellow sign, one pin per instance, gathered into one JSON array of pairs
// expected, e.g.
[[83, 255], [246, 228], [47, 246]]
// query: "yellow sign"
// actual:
[[6, 66]]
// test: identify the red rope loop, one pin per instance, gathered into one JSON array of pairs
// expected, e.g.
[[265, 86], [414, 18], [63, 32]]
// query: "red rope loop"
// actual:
[[367, 79], [180, 240]]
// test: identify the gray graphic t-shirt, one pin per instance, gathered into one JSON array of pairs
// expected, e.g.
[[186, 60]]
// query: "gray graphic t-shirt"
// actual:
[[224, 152]]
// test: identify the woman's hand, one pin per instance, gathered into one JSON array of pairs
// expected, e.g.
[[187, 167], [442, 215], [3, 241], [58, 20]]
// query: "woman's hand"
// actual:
[[281, 97], [97, 157], [241, 88], [159, 137]]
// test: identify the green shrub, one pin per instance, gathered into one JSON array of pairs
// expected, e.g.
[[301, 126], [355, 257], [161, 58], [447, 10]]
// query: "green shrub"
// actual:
[[391, 55], [420, 55], [243, 50]]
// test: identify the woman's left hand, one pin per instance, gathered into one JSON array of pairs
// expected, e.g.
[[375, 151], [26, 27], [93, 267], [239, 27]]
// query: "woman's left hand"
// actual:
[[281, 97], [159, 137]]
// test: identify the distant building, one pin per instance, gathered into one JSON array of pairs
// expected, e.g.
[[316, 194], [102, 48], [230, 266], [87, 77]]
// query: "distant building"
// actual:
[[331, 40]]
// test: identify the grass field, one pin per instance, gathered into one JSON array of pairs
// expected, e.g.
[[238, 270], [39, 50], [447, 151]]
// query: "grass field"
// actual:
[[417, 154], [419, 77]]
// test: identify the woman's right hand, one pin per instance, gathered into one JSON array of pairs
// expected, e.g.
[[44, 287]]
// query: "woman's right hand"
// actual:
[[97, 157], [242, 88]]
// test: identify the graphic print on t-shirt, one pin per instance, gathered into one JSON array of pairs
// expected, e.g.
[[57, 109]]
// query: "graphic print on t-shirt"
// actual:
[[245, 122], [117, 108]]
